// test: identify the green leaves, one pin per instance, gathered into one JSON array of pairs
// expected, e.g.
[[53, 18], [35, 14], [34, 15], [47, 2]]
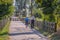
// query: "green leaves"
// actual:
[[3, 9], [51, 8], [45, 3], [6, 1], [48, 10], [6, 7]]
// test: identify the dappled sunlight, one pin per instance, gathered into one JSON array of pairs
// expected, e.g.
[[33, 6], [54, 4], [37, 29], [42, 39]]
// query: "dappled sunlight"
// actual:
[[29, 19]]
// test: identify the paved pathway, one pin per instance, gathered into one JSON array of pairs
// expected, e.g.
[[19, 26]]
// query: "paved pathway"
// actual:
[[18, 31]]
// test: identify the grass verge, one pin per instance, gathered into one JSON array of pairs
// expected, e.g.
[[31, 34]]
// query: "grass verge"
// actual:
[[55, 37], [52, 36], [4, 32]]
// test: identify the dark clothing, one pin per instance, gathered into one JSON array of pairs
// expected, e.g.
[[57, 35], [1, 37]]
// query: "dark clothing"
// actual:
[[26, 23], [32, 23]]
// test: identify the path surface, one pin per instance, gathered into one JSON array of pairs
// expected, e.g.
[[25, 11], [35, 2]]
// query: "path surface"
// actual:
[[18, 31]]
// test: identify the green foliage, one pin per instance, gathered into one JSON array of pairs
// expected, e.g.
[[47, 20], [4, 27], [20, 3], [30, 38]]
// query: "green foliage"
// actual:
[[4, 33], [39, 2], [48, 10], [38, 13], [57, 10], [6, 7], [50, 7], [6, 2], [51, 18], [45, 3], [55, 37]]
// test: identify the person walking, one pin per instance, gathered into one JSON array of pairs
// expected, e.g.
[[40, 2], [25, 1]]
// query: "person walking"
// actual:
[[32, 21], [26, 21]]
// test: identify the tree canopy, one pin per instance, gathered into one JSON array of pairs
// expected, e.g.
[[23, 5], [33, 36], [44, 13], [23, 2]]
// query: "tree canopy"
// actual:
[[50, 7], [6, 7]]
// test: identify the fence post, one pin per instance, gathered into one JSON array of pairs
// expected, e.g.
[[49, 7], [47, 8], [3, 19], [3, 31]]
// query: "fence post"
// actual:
[[55, 27]]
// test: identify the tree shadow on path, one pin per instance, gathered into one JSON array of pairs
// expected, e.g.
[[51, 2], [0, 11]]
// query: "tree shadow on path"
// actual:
[[24, 33]]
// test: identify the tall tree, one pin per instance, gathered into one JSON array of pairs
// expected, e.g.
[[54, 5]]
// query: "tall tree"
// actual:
[[49, 6], [6, 7]]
